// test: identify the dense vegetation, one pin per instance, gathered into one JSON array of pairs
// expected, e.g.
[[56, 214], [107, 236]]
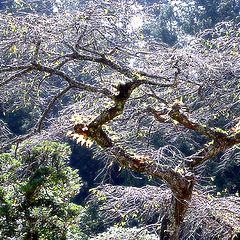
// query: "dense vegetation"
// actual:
[[36, 191], [150, 89]]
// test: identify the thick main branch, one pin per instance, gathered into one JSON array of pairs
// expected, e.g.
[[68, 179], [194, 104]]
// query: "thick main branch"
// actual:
[[221, 140], [181, 185]]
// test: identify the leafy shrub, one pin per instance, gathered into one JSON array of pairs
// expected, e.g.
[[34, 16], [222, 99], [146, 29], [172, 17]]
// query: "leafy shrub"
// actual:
[[35, 194]]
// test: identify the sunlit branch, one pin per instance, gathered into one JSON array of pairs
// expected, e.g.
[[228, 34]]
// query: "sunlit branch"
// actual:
[[49, 107], [127, 72], [221, 140], [12, 68], [178, 183], [71, 81], [177, 114], [16, 140], [16, 75], [212, 150]]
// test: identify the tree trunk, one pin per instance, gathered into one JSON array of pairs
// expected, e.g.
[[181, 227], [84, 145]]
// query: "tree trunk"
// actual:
[[171, 222]]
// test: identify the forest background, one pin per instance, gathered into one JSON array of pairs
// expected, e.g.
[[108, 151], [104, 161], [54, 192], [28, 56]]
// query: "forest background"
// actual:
[[36, 179]]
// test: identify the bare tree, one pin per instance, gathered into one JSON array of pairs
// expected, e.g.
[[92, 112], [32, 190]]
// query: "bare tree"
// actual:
[[147, 206], [120, 88]]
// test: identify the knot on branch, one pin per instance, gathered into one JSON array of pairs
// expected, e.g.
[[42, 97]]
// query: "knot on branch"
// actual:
[[82, 129], [179, 106], [81, 135]]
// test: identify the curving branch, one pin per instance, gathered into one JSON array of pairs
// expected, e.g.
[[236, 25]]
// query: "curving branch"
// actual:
[[221, 140], [212, 150], [181, 185], [71, 81], [12, 68], [16, 140], [49, 107], [16, 75], [178, 114], [126, 71]]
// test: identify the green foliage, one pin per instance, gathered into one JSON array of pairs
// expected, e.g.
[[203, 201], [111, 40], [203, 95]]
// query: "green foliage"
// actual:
[[21, 6], [36, 191], [173, 19], [91, 223], [19, 120], [226, 179], [162, 27], [126, 233]]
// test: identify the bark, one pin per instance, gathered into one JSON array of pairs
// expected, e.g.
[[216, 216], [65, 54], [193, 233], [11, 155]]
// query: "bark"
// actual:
[[179, 207], [180, 184], [221, 139]]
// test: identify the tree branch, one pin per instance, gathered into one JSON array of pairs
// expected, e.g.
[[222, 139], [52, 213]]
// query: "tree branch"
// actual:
[[11, 68], [212, 150], [222, 140], [177, 114], [177, 182], [16, 75], [49, 107], [127, 72], [71, 82]]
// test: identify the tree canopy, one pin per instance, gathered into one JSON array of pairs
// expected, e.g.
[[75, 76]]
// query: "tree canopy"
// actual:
[[92, 72]]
